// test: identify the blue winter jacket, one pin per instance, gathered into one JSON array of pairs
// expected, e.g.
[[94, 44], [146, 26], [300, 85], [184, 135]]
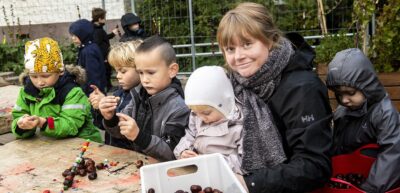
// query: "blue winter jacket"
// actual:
[[89, 55]]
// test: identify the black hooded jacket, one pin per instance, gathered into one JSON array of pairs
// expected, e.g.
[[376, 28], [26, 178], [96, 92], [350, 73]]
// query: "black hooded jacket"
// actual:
[[377, 121], [127, 20], [302, 114], [102, 39]]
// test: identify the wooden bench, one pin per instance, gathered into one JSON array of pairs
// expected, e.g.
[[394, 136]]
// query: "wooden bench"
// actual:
[[391, 82]]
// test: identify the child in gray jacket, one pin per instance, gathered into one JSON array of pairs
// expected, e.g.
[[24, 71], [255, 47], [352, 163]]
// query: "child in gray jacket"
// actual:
[[215, 123], [157, 120], [365, 115]]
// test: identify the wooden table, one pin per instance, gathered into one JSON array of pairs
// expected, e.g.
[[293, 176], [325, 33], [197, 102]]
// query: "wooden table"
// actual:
[[36, 164]]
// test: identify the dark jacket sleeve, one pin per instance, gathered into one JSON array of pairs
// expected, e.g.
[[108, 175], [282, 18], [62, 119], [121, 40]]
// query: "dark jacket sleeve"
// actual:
[[303, 114], [384, 173], [99, 36], [95, 71], [110, 35], [162, 148]]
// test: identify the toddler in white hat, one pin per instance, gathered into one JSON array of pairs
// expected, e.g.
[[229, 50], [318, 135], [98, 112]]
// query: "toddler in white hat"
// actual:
[[215, 123]]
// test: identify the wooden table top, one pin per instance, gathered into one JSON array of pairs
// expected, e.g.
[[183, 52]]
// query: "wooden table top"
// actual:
[[36, 165]]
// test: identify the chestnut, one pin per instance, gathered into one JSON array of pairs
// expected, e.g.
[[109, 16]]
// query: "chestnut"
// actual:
[[195, 188], [92, 176]]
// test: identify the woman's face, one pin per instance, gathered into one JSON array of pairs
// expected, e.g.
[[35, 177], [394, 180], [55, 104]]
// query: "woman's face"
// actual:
[[246, 56]]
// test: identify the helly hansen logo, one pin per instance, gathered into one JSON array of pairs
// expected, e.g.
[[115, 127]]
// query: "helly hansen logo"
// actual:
[[307, 118]]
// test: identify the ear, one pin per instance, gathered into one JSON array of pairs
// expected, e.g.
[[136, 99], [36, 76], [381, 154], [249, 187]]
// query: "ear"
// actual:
[[173, 69]]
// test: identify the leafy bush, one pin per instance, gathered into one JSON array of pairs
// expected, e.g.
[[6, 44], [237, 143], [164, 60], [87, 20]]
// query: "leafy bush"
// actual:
[[385, 52], [12, 56], [330, 45]]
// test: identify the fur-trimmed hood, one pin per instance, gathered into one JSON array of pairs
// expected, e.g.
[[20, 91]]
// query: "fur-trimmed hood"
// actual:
[[77, 74]]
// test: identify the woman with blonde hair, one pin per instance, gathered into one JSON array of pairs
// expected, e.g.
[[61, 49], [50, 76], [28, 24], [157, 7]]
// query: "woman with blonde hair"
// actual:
[[286, 113]]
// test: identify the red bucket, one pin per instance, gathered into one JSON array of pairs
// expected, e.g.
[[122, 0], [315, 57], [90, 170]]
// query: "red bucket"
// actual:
[[354, 162]]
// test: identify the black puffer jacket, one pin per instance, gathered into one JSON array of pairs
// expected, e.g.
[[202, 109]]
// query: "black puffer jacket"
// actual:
[[376, 122], [302, 113]]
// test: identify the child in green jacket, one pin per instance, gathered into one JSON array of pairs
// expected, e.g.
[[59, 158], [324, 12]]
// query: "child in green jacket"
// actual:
[[51, 99]]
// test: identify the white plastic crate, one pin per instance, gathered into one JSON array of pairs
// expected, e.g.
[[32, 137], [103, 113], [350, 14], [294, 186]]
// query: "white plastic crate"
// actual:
[[212, 171]]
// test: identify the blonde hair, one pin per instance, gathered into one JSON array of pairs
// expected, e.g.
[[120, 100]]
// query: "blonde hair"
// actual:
[[122, 54], [200, 107], [248, 19]]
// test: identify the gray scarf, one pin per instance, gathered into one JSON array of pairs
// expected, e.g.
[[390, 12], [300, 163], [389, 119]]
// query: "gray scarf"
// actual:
[[262, 144]]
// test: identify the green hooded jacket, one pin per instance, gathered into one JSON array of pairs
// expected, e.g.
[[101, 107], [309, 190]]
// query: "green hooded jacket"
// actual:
[[71, 112]]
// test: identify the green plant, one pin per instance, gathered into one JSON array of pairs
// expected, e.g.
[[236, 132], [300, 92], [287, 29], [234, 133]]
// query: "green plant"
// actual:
[[330, 45], [385, 52], [69, 52], [12, 57]]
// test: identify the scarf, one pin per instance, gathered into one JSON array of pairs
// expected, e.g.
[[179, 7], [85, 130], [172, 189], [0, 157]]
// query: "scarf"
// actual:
[[262, 144]]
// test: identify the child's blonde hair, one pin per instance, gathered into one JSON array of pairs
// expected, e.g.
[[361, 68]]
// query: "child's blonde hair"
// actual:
[[248, 19], [200, 107], [122, 54]]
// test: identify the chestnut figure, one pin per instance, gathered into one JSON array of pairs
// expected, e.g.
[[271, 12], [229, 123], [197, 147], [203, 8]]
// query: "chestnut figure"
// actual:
[[139, 164], [68, 183], [91, 169], [180, 191], [195, 188], [217, 191], [82, 172], [89, 162], [208, 190], [92, 176], [151, 190], [70, 178], [100, 166], [66, 173]]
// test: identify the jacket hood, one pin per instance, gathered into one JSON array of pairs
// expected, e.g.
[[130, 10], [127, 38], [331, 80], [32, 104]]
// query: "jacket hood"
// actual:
[[83, 29], [352, 68], [304, 54], [129, 19]]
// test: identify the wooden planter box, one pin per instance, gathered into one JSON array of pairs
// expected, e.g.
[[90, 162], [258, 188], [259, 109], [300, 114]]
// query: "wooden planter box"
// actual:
[[390, 80]]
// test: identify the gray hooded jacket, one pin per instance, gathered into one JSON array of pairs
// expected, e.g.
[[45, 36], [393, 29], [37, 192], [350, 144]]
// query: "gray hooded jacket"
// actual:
[[161, 118], [377, 121]]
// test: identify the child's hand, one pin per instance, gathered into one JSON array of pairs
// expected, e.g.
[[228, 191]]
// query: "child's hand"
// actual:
[[107, 106], [128, 126], [95, 97], [27, 122], [115, 31], [188, 154]]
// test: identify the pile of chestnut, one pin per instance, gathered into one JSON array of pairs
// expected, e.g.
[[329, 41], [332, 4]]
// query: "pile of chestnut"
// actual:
[[193, 189], [353, 178]]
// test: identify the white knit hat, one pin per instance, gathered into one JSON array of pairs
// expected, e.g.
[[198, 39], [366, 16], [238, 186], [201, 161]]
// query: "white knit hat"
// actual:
[[43, 55], [209, 85]]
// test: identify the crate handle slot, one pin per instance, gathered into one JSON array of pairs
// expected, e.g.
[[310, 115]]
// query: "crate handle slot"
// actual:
[[182, 170]]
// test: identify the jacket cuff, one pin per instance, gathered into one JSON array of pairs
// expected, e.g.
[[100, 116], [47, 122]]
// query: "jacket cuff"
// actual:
[[143, 139], [20, 131], [112, 122], [254, 181]]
